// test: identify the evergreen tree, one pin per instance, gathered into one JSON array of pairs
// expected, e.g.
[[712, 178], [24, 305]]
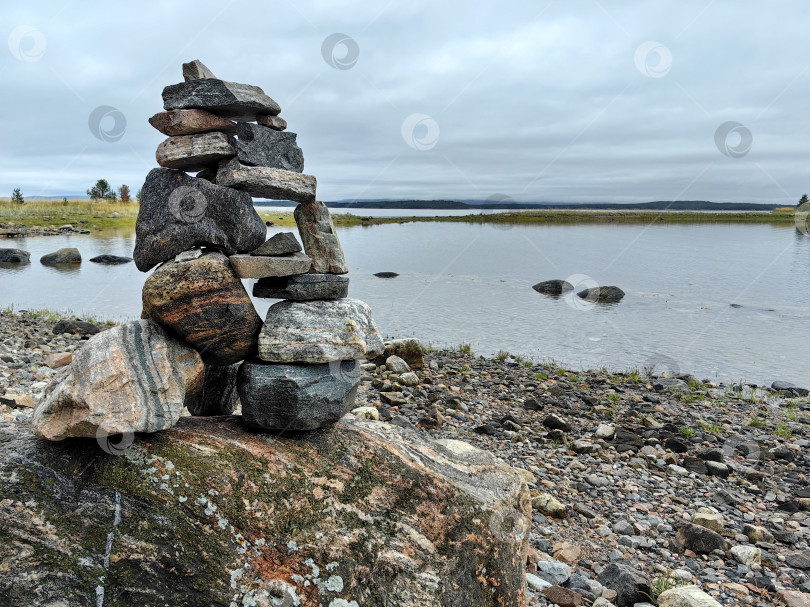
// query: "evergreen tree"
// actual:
[[100, 190], [16, 196], [803, 200]]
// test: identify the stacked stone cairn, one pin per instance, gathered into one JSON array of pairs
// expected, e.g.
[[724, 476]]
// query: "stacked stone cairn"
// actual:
[[297, 371]]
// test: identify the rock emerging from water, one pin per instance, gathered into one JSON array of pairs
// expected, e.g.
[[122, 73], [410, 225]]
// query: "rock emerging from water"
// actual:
[[131, 378], [553, 287], [204, 302], [62, 256], [607, 294], [111, 260], [179, 212], [14, 256]]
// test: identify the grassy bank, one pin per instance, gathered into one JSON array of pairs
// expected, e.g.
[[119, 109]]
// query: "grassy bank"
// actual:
[[88, 214]]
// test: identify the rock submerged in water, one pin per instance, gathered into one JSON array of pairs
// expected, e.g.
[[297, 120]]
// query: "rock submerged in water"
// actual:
[[179, 212], [297, 397], [14, 256], [131, 378], [386, 274], [251, 516], [68, 255], [553, 287], [204, 302], [110, 259], [607, 294], [318, 332]]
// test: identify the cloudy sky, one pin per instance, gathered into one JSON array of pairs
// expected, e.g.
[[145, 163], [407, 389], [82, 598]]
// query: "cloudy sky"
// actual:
[[618, 101]]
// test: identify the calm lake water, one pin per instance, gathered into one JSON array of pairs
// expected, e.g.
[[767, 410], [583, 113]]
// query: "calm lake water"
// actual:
[[471, 284]]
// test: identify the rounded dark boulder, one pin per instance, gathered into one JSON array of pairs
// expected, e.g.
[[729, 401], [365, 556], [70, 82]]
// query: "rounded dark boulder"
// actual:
[[607, 294], [62, 256], [110, 259], [553, 287], [14, 256]]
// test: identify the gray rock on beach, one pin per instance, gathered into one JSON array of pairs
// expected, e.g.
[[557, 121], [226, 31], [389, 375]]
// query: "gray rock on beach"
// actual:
[[190, 122], [267, 182], [14, 256], [297, 397], [317, 332], [262, 146], [68, 255], [196, 70], [179, 212], [241, 102], [194, 152], [320, 240], [303, 287], [282, 243], [262, 266], [131, 378]]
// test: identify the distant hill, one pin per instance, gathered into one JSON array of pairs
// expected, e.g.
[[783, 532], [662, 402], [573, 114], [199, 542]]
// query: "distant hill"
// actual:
[[659, 205]]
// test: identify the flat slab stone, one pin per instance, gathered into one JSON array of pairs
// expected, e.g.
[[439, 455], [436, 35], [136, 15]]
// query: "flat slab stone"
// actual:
[[304, 287], [241, 102], [266, 182], [279, 244], [319, 332], [277, 123], [320, 240], [194, 152], [110, 260], [179, 212], [203, 301], [190, 122], [297, 397], [196, 70], [131, 378], [254, 266], [262, 146]]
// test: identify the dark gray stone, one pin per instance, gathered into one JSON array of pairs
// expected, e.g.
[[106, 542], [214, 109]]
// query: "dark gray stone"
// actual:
[[75, 327], [553, 287], [14, 256], [297, 397], [789, 387], [282, 243], [179, 212], [700, 539], [241, 102], [110, 259], [304, 287], [602, 294], [386, 274], [219, 395], [630, 585], [62, 256], [262, 146]]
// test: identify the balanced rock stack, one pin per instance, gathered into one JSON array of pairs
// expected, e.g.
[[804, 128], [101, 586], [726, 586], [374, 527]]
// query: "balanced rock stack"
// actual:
[[297, 371]]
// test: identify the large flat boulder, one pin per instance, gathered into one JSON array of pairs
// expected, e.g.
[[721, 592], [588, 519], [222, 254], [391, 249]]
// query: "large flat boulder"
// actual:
[[316, 332], [194, 152], [179, 212], [266, 147], [296, 398], [210, 514], [131, 378], [14, 256], [241, 102], [204, 302], [320, 240], [262, 266], [267, 182]]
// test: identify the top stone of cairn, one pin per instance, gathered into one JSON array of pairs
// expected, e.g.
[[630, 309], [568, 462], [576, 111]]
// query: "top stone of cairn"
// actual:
[[241, 102], [196, 70]]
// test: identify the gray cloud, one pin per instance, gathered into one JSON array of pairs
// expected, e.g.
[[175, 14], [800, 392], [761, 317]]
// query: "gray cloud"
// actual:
[[540, 102]]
